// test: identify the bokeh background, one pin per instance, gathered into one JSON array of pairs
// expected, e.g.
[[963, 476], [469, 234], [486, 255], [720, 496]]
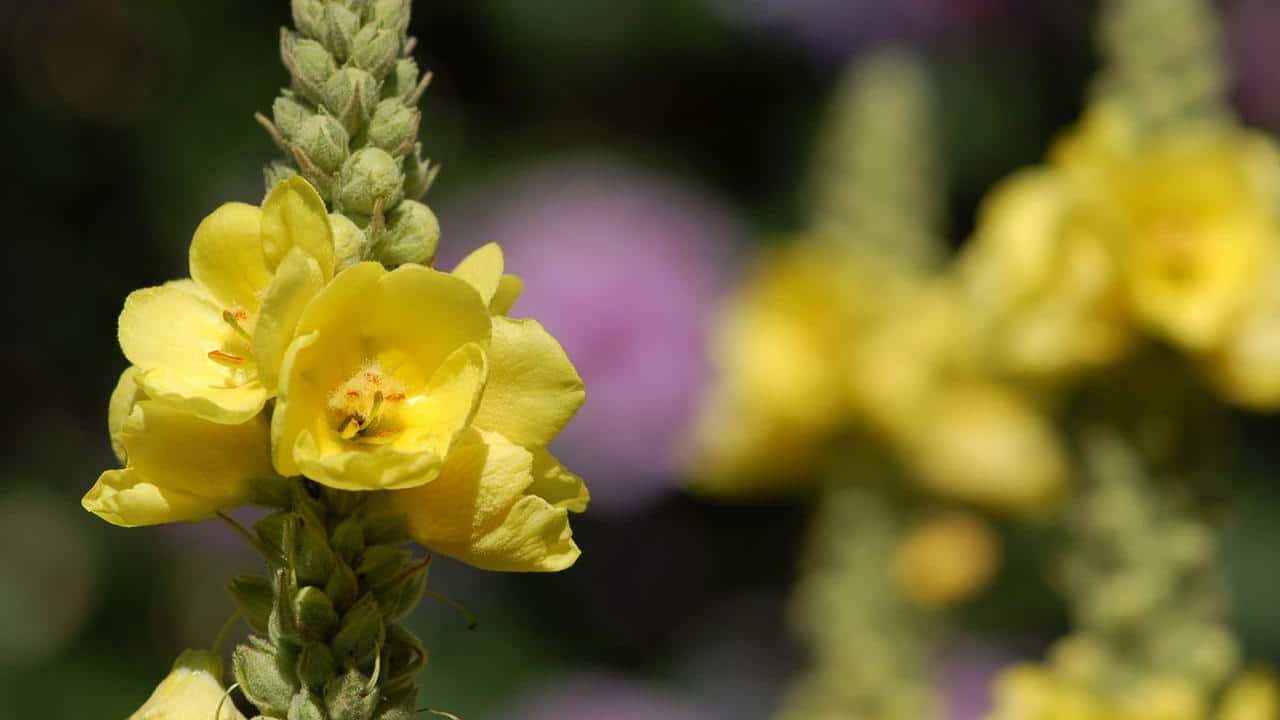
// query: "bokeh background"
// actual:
[[629, 154]]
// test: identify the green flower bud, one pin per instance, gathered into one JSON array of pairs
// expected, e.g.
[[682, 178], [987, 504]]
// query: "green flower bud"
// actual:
[[263, 680], [419, 174], [311, 66], [370, 180], [375, 50], [381, 564], [404, 655], [351, 94], [386, 529], [348, 537], [315, 665], [314, 559], [394, 127], [398, 598], [349, 697], [391, 15], [282, 624], [401, 711], [309, 17], [271, 530], [254, 597], [403, 79], [341, 30], [305, 707], [315, 613], [277, 172], [412, 235], [342, 586], [289, 114], [324, 140], [361, 634]]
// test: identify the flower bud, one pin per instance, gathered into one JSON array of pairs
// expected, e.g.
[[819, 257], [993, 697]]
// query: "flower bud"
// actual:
[[315, 665], [282, 625], [310, 65], [271, 531], [370, 180], [340, 31], [263, 680], [361, 634], [305, 707], [403, 711], [403, 79], [390, 15], [315, 613], [394, 127], [413, 233], [314, 559], [351, 94], [289, 115], [342, 586], [349, 697], [405, 655], [382, 563], [402, 595], [253, 596], [348, 537], [324, 141], [375, 50], [309, 17], [386, 529]]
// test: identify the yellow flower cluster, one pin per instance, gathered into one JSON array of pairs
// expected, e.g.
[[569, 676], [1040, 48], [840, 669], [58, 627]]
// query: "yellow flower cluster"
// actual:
[[272, 362], [1034, 693]]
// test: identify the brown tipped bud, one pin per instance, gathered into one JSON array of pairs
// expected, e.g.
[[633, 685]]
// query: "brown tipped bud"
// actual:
[[325, 142], [340, 32], [370, 181], [375, 50], [350, 697], [306, 707], [394, 127], [263, 679], [403, 79], [309, 17], [342, 587], [361, 634], [391, 15], [314, 612], [289, 114], [310, 65], [315, 666], [351, 95], [412, 236]]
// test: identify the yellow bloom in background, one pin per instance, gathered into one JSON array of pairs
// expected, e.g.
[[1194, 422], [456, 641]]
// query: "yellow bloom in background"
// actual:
[[212, 345], [780, 390], [1041, 279], [1030, 692], [386, 369], [192, 691], [1198, 227], [1246, 365], [178, 467], [1255, 696], [985, 444], [502, 501], [946, 559]]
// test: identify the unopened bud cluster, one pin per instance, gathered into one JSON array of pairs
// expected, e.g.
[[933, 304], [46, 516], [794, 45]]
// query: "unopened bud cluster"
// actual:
[[349, 124], [328, 643]]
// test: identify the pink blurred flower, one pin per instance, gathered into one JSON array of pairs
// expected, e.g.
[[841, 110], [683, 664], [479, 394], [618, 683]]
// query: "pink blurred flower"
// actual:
[[625, 268], [1251, 27], [602, 697]]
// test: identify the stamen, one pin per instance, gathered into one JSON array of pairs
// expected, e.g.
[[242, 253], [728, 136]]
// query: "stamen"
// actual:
[[234, 318], [225, 358]]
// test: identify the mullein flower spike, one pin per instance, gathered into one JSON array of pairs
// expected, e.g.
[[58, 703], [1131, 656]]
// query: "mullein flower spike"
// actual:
[[316, 364]]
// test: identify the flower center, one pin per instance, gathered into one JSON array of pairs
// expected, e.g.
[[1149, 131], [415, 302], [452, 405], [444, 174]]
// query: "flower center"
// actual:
[[238, 357], [364, 408]]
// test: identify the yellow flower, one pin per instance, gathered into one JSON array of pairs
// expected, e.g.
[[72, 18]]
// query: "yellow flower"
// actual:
[[386, 369], [212, 345], [946, 560], [192, 691], [1042, 282], [178, 467], [1198, 218], [501, 501], [1031, 692], [1255, 696], [781, 378], [985, 444], [1246, 366]]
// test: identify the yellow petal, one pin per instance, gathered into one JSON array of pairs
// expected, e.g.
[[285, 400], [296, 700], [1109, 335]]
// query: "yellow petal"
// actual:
[[297, 280], [479, 510], [123, 398], [509, 291], [181, 468], [192, 691], [534, 390], [482, 270], [168, 332], [555, 484], [226, 256], [449, 403], [294, 216]]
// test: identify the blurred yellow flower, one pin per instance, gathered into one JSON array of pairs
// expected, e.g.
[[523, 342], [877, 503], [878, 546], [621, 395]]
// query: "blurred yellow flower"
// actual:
[[192, 691], [1197, 214], [1255, 696], [1031, 692], [1246, 365], [780, 391], [212, 345], [946, 559], [387, 368], [178, 467]]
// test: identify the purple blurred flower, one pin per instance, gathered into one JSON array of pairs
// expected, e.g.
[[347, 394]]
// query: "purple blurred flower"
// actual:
[[1252, 26], [836, 29], [965, 676], [602, 697], [625, 269]]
